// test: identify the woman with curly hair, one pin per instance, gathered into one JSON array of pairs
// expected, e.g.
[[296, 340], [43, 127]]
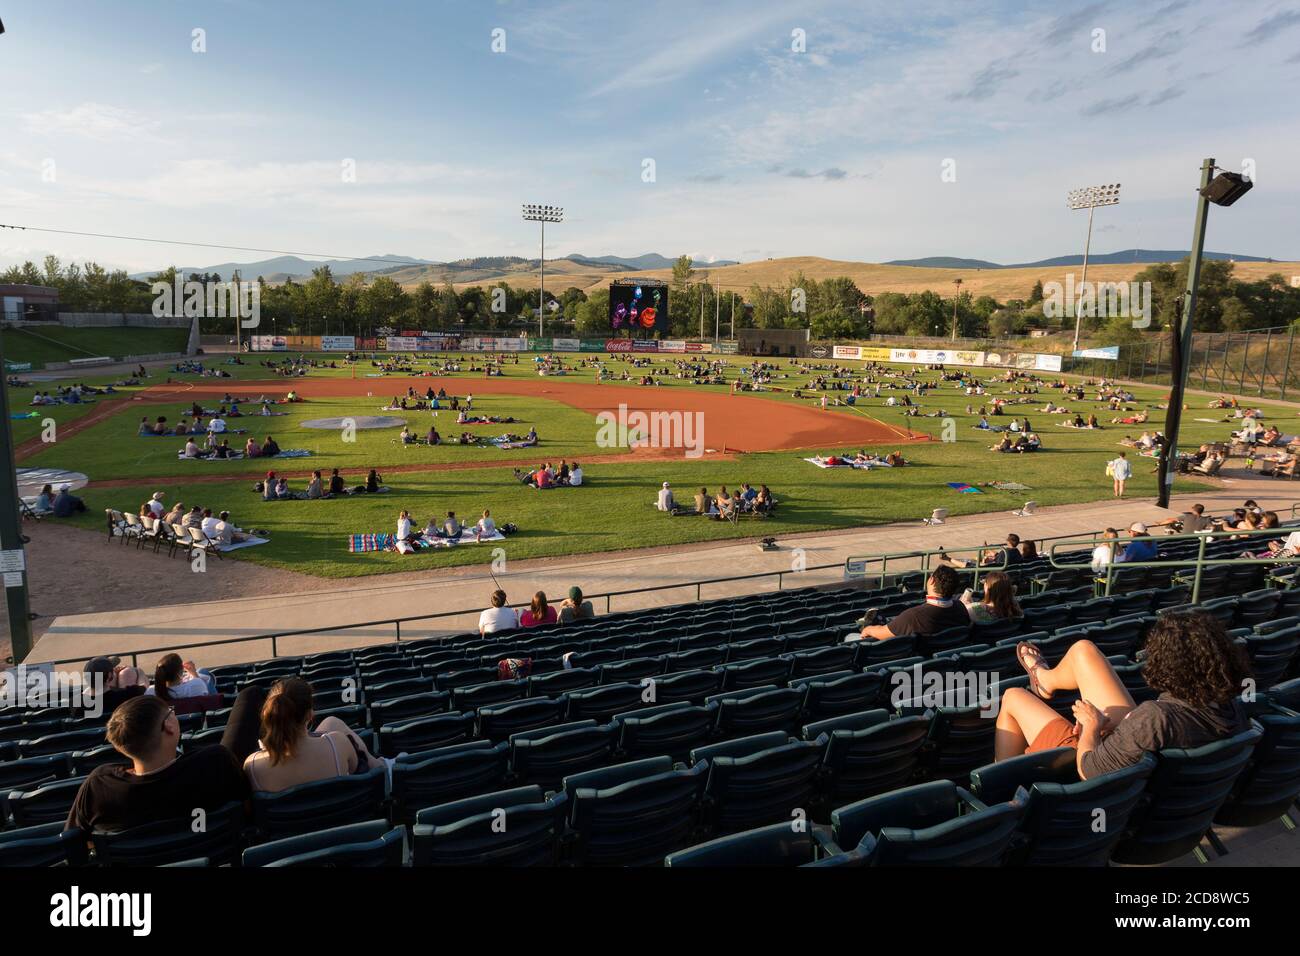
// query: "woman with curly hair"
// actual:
[[1193, 664]]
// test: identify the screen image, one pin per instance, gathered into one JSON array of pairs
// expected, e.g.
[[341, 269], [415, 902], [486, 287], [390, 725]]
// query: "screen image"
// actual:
[[640, 309]]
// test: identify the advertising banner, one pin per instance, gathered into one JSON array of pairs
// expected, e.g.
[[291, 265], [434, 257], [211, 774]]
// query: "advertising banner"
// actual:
[[874, 354], [846, 352], [267, 343], [618, 345], [1110, 353], [727, 348], [337, 343], [672, 345], [592, 345], [509, 345], [566, 345], [699, 346], [645, 345], [402, 343]]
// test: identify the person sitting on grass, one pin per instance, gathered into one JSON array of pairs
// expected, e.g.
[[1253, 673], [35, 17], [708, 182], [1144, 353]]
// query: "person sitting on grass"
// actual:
[[282, 492], [270, 448], [538, 612], [486, 527], [252, 449], [666, 501], [66, 504], [575, 475], [337, 487], [1197, 669], [575, 608], [291, 754], [542, 477], [224, 533], [451, 526], [316, 487], [45, 500], [763, 501], [433, 438], [726, 505], [223, 450], [998, 603], [498, 617], [374, 483], [940, 611]]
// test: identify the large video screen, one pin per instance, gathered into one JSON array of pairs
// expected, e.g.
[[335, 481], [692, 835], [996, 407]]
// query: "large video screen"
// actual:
[[639, 309]]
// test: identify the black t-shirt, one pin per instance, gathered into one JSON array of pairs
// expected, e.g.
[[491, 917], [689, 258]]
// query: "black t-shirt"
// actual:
[[114, 798], [926, 619]]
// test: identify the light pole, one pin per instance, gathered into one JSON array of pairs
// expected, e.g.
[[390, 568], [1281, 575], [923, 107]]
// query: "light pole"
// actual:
[[1089, 198], [542, 214], [955, 297], [1223, 190]]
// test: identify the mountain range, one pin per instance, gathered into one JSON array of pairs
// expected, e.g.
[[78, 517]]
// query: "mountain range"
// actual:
[[1123, 257]]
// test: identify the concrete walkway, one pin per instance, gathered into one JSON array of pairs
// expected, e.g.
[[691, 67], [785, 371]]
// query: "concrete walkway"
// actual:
[[675, 570]]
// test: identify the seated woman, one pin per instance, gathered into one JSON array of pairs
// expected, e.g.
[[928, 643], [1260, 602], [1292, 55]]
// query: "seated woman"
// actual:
[[1190, 660], [539, 612], [998, 603], [316, 487], [174, 679], [1004, 444], [486, 527], [182, 428], [252, 449], [291, 754], [373, 482], [726, 504], [45, 500], [406, 435], [145, 427]]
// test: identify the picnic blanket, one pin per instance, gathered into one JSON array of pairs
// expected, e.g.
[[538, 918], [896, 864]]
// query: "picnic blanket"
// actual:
[[291, 453], [1082, 428], [964, 488], [180, 456], [846, 463], [25, 415], [358, 543], [1007, 486], [502, 443], [467, 536], [246, 543]]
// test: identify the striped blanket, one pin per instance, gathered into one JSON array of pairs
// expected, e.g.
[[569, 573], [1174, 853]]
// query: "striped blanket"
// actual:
[[358, 543]]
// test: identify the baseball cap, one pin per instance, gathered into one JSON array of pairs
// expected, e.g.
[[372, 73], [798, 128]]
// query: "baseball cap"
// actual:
[[1138, 527], [157, 496]]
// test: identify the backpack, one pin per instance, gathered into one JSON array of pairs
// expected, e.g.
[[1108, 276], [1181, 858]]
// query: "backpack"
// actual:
[[508, 528]]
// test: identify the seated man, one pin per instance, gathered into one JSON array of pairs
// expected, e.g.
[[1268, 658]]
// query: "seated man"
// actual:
[[666, 502], [1141, 546], [66, 504], [498, 617], [940, 611], [223, 532], [158, 784], [1189, 522]]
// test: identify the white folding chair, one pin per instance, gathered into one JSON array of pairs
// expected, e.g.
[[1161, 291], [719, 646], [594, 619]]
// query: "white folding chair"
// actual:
[[936, 517], [1030, 508], [133, 528], [201, 542]]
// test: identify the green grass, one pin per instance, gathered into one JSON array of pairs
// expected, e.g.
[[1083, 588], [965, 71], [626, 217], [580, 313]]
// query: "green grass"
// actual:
[[113, 449], [56, 343], [615, 510]]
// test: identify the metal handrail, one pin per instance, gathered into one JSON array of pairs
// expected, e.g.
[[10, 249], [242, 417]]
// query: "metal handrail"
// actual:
[[1199, 562], [397, 622], [851, 571]]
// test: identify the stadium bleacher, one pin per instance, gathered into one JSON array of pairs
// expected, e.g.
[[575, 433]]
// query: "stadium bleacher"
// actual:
[[737, 731]]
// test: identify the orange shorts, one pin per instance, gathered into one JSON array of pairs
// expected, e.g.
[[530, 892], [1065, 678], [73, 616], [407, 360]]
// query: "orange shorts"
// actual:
[[1057, 733]]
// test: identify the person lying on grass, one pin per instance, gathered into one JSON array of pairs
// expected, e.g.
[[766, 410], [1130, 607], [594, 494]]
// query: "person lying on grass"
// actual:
[[940, 611], [1197, 669]]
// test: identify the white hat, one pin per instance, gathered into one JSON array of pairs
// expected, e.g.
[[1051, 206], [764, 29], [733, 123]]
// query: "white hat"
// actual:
[[65, 487], [1137, 527], [665, 484], [157, 496]]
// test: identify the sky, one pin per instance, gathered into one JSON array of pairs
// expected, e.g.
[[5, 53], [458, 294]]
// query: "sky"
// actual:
[[730, 130]]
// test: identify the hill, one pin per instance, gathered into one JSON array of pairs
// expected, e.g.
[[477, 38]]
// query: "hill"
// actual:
[[1123, 257]]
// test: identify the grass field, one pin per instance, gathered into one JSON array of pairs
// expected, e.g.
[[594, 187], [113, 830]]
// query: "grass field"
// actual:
[[57, 343], [615, 510]]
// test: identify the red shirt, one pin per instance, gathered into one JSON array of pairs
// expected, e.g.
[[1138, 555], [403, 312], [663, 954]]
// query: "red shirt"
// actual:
[[526, 619]]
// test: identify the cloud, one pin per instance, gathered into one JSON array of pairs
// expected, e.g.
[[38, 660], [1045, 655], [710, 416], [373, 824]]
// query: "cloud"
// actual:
[[1111, 106], [986, 82], [1063, 27], [1164, 96], [93, 120], [829, 173], [1270, 27], [704, 178], [1167, 46]]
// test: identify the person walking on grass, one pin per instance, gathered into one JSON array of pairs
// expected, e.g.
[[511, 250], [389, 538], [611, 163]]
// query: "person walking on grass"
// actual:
[[1120, 470]]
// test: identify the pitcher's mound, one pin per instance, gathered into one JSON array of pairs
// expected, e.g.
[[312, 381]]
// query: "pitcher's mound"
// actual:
[[357, 421]]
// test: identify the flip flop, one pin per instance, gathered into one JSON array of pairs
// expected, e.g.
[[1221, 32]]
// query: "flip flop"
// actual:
[[1031, 659]]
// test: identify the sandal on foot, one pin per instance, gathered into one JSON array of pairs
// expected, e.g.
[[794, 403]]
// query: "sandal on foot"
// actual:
[[1031, 659]]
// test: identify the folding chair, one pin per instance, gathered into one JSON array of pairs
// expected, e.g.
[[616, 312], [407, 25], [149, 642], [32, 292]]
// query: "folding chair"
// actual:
[[116, 523], [936, 517], [133, 528], [201, 542]]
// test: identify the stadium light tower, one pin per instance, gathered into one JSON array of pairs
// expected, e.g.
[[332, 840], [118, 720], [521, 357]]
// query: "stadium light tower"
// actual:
[[1089, 198], [542, 214], [1222, 190]]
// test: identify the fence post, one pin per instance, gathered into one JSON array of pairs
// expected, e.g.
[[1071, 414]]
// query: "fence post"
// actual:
[[399, 631], [1286, 366], [1268, 342], [1200, 565]]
